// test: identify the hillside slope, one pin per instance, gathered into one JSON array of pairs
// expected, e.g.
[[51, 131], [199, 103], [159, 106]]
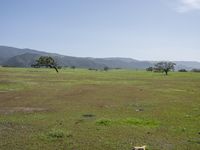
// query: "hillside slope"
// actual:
[[10, 56]]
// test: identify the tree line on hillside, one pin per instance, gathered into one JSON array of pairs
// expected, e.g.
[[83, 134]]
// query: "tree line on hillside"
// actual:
[[163, 66], [49, 62]]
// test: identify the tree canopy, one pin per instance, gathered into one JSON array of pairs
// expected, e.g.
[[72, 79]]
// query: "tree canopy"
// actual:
[[46, 61], [165, 66]]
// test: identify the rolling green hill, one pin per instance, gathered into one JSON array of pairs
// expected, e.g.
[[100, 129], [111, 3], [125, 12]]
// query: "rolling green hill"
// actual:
[[16, 57]]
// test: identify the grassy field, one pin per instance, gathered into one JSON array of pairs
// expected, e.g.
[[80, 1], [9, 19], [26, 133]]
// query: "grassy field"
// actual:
[[95, 110]]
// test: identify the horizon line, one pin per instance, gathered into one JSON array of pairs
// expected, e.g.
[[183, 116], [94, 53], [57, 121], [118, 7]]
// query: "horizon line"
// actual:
[[107, 57]]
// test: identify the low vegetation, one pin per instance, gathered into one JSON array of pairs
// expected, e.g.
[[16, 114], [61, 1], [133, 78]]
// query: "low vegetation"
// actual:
[[83, 109], [195, 70], [182, 70], [129, 121], [56, 133]]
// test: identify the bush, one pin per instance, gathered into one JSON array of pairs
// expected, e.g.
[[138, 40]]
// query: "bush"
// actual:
[[149, 69], [73, 67], [195, 70], [182, 70], [106, 68], [93, 69], [5, 66]]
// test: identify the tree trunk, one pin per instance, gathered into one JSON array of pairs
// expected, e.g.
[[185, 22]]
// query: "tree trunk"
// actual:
[[166, 72], [55, 69]]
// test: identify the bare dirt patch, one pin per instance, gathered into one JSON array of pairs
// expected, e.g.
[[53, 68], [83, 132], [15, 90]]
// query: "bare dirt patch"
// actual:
[[5, 82], [10, 110]]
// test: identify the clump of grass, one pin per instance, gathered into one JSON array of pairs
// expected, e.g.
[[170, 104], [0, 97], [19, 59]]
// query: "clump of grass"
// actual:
[[104, 122], [56, 133], [129, 121]]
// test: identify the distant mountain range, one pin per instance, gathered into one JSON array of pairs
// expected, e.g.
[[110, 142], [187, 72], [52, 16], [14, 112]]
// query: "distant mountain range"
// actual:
[[10, 56]]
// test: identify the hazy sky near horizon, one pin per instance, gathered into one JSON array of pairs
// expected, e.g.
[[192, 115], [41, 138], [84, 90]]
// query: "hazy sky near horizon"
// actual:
[[139, 29]]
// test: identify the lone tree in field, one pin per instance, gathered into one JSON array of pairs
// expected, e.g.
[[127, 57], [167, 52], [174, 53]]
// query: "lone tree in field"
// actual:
[[46, 61], [164, 66]]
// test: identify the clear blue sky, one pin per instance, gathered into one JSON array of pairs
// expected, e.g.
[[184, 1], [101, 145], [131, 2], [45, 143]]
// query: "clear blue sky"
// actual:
[[140, 29]]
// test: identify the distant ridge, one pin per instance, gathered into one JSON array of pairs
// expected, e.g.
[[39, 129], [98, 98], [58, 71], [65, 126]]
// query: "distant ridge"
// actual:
[[10, 56]]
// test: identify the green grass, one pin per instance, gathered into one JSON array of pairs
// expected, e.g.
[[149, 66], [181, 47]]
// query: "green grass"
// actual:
[[128, 121], [82, 109], [56, 133]]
